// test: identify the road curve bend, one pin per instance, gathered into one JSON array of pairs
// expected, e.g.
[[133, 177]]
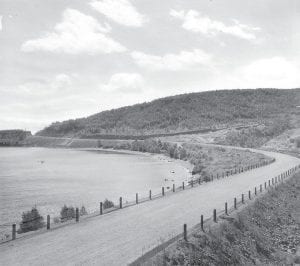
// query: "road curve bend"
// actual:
[[122, 236]]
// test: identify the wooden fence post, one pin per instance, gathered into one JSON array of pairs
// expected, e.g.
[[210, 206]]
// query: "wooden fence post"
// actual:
[[101, 208], [173, 187], [202, 223], [260, 188], [77, 215], [226, 209], [235, 206], [243, 198], [121, 204], [137, 198], [14, 232], [183, 185], [150, 194], [192, 183], [163, 191], [249, 194], [48, 222], [265, 185], [215, 215], [269, 182], [184, 232], [255, 191]]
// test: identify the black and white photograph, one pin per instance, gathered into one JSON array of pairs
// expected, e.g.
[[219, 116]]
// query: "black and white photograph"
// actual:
[[149, 132]]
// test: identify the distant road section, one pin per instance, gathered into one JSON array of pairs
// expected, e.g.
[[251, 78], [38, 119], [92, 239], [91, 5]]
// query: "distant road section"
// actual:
[[120, 237]]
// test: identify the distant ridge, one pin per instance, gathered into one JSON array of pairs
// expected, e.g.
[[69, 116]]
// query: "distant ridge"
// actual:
[[184, 113]]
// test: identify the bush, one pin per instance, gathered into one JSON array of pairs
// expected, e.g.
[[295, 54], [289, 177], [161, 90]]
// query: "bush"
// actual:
[[56, 220], [82, 211], [31, 221], [67, 213], [108, 204]]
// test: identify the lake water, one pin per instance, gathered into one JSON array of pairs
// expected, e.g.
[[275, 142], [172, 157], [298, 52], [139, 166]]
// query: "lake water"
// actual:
[[49, 178]]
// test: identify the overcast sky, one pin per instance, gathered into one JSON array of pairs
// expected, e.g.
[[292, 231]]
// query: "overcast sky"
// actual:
[[62, 59]]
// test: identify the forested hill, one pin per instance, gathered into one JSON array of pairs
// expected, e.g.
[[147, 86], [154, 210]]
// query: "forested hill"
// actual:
[[184, 112]]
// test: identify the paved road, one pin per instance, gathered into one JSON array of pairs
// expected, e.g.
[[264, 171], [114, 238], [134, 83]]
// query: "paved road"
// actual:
[[122, 236]]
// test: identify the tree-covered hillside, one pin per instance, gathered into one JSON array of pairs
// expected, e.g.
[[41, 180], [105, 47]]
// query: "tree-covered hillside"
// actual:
[[185, 112]]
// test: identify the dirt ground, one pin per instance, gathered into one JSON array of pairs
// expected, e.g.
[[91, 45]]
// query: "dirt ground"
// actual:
[[264, 233]]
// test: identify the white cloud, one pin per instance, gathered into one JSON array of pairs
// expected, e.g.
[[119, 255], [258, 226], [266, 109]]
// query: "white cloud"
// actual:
[[77, 33], [195, 22], [125, 82], [120, 11], [276, 72], [60, 84], [173, 62]]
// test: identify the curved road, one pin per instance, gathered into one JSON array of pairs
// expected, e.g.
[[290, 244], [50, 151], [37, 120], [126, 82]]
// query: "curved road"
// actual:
[[122, 236]]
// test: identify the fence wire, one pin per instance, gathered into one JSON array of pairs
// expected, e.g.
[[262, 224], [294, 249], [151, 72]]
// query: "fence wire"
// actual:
[[6, 228]]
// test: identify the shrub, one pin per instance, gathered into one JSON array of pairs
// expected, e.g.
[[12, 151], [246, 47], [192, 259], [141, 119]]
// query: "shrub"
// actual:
[[56, 220], [83, 211], [31, 221], [108, 204], [67, 213]]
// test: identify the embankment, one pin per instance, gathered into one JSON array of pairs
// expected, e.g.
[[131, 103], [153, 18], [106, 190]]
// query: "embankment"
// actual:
[[264, 233]]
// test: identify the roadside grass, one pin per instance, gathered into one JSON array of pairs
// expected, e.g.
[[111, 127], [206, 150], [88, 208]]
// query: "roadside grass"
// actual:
[[264, 233]]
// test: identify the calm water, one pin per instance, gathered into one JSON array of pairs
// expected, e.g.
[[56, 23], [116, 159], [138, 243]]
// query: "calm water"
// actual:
[[50, 178]]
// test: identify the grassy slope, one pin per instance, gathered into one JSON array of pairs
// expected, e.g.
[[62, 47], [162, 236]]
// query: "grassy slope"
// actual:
[[265, 233], [184, 112]]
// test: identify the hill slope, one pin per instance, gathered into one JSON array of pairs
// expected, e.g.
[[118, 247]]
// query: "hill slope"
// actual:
[[185, 112]]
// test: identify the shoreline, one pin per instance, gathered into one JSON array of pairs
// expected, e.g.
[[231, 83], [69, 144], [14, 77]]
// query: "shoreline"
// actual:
[[158, 156]]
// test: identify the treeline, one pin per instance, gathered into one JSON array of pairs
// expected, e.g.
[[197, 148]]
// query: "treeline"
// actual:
[[191, 153], [256, 136], [185, 112], [14, 134]]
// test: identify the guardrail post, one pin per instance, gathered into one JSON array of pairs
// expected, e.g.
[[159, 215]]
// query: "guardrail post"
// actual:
[[14, 232], [202, 223], [150, 194], [235, 206], [48, 222], [137, 198], [173, 187], [121, 204], [184, 232], [215, 215], [226, 209], [77, 215], [101, 208]]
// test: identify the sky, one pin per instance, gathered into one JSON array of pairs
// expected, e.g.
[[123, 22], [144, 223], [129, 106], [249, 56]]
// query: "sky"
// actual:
[[65, 59]]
